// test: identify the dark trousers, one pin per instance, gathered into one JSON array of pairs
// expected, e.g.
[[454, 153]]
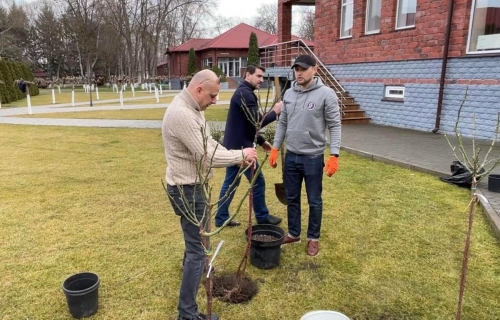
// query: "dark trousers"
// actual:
[[259, 196], [309, 169], [194, 255]]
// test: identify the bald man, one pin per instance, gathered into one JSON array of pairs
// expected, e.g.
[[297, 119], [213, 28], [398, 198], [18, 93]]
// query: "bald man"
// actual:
[[184, 145]]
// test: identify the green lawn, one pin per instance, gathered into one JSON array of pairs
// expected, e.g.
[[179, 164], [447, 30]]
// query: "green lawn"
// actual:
[[215, 112], [90, 199], [45, 97]]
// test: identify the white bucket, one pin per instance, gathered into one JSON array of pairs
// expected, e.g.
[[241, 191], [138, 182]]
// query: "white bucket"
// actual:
[[324, 315]]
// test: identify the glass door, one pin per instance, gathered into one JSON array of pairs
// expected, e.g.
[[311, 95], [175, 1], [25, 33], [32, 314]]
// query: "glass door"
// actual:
[[223, 64]]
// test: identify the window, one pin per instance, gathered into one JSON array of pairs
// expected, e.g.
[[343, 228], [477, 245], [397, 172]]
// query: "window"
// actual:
[[484, 30], [394, 92], [207, 63], [405, 16], [346, 19], [373, 12], [231, 66]]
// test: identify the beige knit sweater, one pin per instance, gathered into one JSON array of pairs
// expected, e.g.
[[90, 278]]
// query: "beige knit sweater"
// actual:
[[183, 141]]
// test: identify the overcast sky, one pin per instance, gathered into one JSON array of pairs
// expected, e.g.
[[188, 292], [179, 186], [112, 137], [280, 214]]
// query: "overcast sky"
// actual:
[[244, 9]]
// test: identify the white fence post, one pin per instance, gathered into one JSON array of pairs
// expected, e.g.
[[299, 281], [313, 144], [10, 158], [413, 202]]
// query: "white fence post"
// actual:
[[29, 102], [121, 99], [97, 92], [53, 96], [73, 98]]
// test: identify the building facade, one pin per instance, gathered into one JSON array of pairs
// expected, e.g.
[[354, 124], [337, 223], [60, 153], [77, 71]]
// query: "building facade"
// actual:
[[228, 51], [409, 63]]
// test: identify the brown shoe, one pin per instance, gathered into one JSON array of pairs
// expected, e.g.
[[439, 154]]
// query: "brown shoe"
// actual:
[[289, 240], [312, 248]]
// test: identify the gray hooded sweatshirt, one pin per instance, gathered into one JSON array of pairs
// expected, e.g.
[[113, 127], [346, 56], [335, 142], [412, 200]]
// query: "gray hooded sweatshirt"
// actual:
[[305, 117]]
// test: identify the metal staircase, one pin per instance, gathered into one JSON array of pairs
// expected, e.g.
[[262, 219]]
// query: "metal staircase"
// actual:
[[278, 59]]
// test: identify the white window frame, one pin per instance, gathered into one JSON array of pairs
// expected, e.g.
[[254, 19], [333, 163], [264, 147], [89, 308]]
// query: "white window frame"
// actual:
[[208, 62], [368, 2], [342, 18], [390, 95], [397, 16], [472, 12]]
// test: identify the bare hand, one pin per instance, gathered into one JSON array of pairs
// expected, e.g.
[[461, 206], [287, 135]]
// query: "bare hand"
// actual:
[[277, 107], [267, 146], [250, 154]]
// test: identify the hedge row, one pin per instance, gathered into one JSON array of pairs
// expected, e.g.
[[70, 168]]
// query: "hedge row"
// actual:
[[9, 72]]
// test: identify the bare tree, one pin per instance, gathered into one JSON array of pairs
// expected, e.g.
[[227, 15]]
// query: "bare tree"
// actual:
[[306, 22], [221, 24], [83, 19], [267, 18]]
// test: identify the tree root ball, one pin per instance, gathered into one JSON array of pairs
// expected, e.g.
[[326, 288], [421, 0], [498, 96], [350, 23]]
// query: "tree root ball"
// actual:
[[225, 288]]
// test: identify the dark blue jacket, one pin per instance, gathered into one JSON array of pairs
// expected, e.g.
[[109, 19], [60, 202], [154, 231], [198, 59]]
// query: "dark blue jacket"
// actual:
[[240, 132]]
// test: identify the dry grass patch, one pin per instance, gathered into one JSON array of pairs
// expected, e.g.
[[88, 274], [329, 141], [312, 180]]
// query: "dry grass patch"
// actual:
[[88, 199]]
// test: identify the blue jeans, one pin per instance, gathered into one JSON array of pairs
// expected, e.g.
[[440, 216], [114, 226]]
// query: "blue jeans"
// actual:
[[194, 255], [259, 196], [306, 168]]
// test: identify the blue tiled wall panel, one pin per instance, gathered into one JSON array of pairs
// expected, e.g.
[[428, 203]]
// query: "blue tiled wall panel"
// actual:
[[418, 111]]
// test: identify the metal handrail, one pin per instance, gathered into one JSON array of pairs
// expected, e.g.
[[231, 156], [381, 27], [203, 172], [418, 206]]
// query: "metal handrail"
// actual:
[[322, 65], [323, 71]]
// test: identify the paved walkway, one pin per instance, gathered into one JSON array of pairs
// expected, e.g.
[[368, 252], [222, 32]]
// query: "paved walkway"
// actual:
[[417, 150]]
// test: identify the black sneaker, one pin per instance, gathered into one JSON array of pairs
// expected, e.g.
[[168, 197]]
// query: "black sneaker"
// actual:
[[271, 220], [200, 316], [232, 223]]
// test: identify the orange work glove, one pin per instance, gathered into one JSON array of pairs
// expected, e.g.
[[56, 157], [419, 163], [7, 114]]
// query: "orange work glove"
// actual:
[[273, 157], [332, 166]]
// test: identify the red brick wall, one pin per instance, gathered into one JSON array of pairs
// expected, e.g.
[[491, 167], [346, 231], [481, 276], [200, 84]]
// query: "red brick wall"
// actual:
[[222, 53], [425, 40], [178, 62]]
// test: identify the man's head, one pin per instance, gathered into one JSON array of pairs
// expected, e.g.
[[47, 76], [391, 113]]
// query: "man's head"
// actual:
[[204, 87], [254, 75], [305, 68]]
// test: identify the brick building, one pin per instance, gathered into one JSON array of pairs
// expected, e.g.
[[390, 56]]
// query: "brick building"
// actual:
[[408, 62], [228, 51]]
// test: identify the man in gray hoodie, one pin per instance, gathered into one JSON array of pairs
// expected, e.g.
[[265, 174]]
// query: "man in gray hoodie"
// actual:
[[309, 110]]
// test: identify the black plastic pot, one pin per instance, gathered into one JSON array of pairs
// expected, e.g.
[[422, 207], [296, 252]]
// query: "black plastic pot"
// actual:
[[81, 292], [263, 254], [494, 183]]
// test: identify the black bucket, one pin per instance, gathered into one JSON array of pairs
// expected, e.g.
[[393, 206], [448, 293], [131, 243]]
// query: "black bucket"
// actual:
[[494, 183], [266, 255], [81, 292]]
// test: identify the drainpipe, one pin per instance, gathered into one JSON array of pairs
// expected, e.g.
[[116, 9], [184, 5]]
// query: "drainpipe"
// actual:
[[443, 67]]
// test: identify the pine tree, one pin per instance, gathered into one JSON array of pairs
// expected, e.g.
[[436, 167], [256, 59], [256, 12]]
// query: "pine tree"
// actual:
[[192, 62], [253, 50]]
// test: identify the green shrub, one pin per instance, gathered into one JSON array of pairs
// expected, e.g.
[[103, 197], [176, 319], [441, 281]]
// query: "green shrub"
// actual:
[[218, 71], [11, 71]]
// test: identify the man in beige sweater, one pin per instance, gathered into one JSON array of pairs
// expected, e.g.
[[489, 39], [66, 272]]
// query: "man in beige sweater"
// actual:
[[184, 147]]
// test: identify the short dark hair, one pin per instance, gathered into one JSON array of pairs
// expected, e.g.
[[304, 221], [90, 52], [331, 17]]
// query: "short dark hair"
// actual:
[[252, 68]]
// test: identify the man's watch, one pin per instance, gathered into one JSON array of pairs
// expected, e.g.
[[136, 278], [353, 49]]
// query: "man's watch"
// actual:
[[335, 155]]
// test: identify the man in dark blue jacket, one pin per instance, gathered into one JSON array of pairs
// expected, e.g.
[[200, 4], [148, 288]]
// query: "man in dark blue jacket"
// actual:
[[240, 133]]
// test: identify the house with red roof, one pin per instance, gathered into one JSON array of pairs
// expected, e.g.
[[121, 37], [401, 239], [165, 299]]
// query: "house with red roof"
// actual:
[[228, 51]]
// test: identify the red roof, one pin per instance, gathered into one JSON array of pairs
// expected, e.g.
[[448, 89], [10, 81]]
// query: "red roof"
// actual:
[[186, 46], [237, 38], [234, 38]]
